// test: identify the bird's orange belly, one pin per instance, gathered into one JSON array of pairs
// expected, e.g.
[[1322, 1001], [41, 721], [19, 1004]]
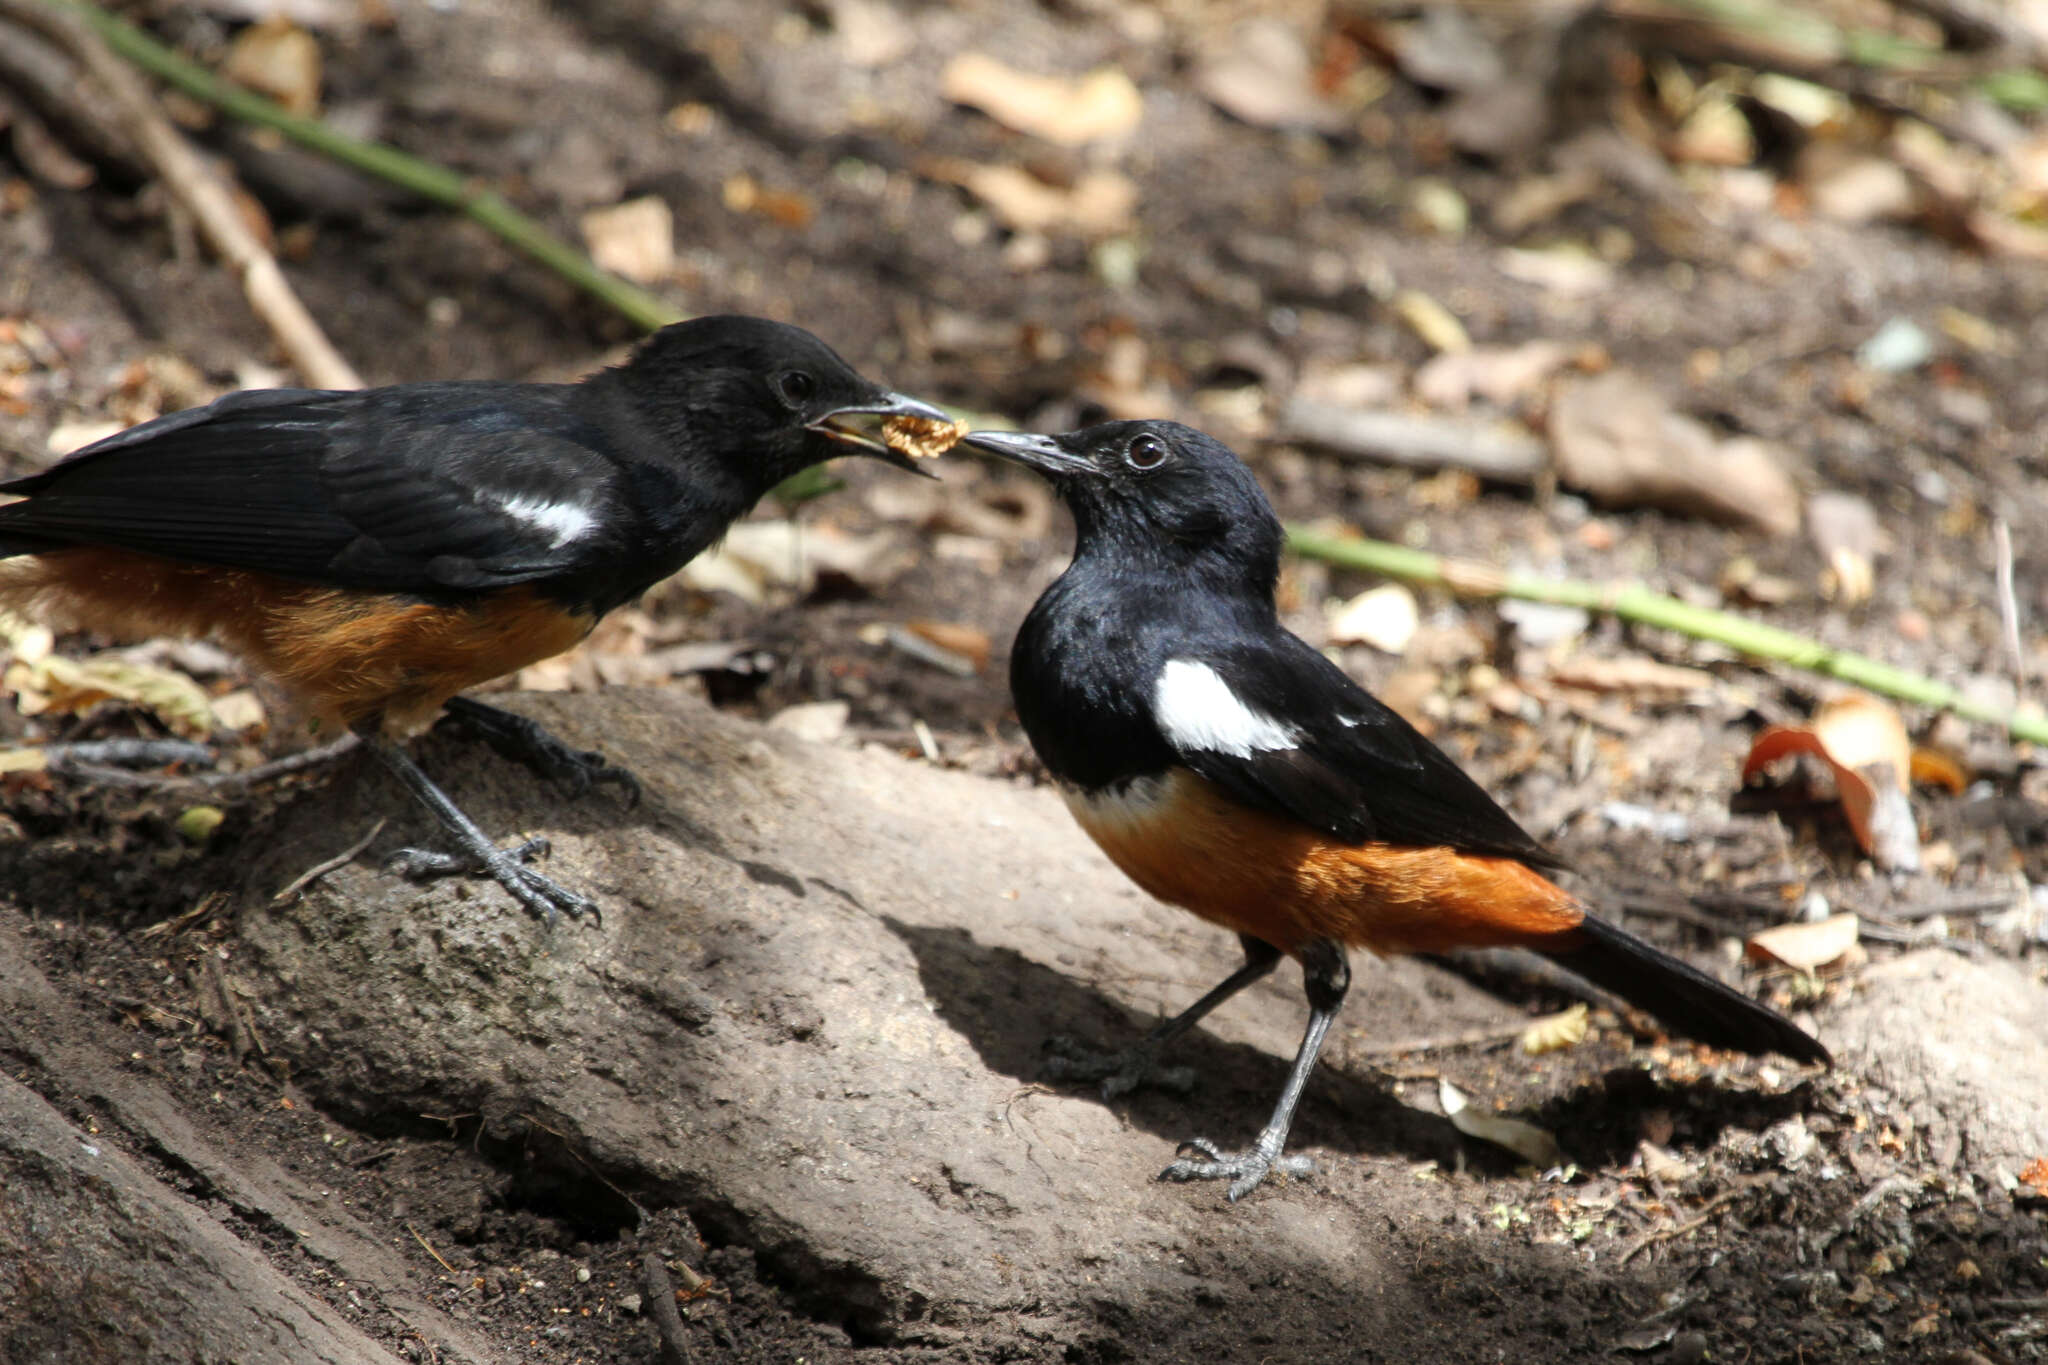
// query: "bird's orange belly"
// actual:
[[1188, 844], [351, 657]]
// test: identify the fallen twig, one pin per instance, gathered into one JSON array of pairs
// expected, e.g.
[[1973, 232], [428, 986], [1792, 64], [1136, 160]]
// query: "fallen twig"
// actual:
[[93, 755], [661, 1306], [327, 865], [72, 766], [1490, 449], [1693, 1224], [2008, 602], [1449, 1042], [1632, 602], [195, 186], [435, 183], [428, 1247]]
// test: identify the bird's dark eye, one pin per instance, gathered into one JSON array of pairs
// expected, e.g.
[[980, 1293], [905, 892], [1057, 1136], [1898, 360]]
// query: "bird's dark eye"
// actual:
[[1145, 452], [797, 387]]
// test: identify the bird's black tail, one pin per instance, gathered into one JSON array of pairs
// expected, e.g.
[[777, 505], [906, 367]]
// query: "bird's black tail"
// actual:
[[1687, 999]]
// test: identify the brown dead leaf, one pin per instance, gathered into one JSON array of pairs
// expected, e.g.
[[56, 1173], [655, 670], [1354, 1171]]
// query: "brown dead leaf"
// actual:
[[46, 158], [788, 208], [1854, 187], [1933, 768], [1068, 110], [1632, 674], [2034, 1175], [1806, 947], [872, 34], [1616, 438], [635, 240], [1100, 203], [241, 709], [1863, 740], [279, 59], [1434, 323], [969, 642], [1384, 617], [1408, 692], [1498, 374], [1845, 530], [1261, 75], [1537, 1146], [68, 686], [30, 760], [1715, 133], [1567, 270]]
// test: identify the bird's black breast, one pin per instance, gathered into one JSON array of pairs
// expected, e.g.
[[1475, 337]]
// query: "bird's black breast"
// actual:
[[1080, 672]]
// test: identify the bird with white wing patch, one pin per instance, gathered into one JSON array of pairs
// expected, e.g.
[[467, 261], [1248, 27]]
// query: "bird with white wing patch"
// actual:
[[1230, 769]]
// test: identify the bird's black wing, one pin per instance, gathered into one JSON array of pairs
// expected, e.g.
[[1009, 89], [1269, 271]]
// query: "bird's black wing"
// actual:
[[1335, 758], [414, 488]]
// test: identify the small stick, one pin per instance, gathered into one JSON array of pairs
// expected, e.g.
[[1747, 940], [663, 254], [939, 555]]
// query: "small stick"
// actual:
[[194, 186], [321, 869], [262, 772], [661, 1305], [1476, 1037], [1693, 1224], [429, 1248], [1491, 450], [2008, 601], [1633, 602], [91, 755]]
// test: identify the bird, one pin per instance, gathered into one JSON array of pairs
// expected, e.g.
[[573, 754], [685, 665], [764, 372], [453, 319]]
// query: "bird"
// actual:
[[1230, 769], [378, 551]]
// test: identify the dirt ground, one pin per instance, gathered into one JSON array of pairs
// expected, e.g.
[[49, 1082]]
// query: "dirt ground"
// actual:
[[1714, 1207]]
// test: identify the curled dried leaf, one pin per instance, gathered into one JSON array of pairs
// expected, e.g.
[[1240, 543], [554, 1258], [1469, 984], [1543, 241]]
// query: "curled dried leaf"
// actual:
[[1864, 742], [64, 685], [1537, 1146], [1807, 947], [1069, 110]]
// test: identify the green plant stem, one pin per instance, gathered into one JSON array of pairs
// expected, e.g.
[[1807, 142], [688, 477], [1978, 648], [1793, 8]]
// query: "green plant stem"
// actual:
[[1632, 602], [431, 182]]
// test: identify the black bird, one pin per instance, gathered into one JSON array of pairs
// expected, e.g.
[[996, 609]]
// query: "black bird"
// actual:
[[1230, 769], [377, 551]]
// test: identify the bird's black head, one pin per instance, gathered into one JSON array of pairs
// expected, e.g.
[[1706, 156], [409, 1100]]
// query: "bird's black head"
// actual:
[[1155, 493], [765, 393]]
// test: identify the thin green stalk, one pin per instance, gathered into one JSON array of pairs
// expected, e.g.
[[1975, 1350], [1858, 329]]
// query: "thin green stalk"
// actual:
[[1805, 40], [431, 182], [1632, 602]]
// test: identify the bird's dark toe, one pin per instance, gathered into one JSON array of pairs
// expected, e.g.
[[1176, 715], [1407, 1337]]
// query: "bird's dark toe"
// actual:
[[1244, 1170]]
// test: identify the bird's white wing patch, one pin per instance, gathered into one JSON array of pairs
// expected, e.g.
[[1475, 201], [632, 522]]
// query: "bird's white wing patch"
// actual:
[[1197, 710], [564, 521]]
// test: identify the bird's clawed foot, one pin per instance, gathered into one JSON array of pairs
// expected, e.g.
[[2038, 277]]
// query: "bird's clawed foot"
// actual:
[[1119, 1072], [1244, 1170], [527, 742], [507, 867]]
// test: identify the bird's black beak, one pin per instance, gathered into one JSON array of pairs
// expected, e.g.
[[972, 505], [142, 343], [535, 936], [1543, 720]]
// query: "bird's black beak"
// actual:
[[1042, 453], [858, 425]]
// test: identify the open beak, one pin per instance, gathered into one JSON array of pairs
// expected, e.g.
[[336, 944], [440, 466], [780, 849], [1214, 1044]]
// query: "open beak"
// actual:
[[859, 426], [1042, 453]]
